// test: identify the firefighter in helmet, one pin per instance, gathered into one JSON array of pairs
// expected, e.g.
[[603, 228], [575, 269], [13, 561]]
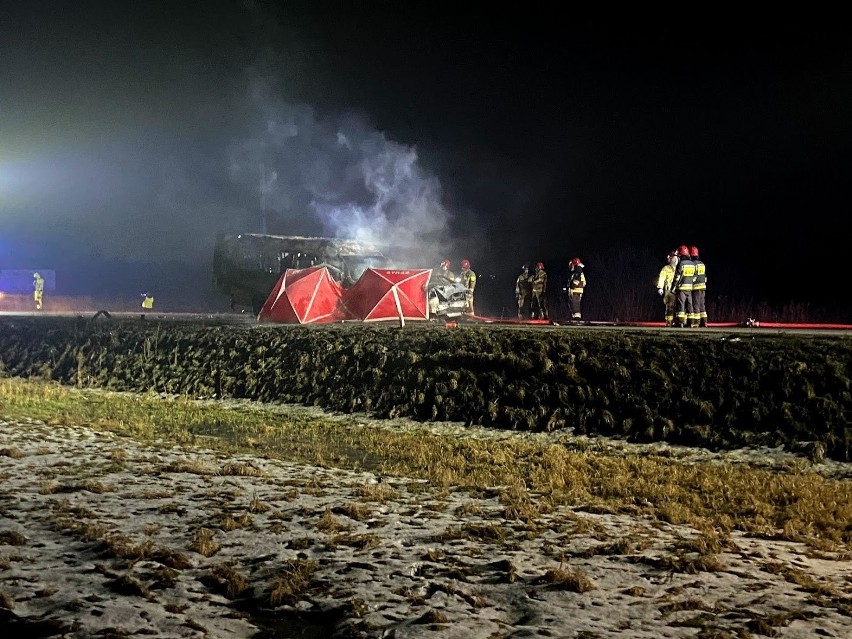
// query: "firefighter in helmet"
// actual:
[[523, 292], [576, 288], [699, 288], [445, 275], [38, 290], [682, 284], [539, 292], [468, 280], [664, 286]]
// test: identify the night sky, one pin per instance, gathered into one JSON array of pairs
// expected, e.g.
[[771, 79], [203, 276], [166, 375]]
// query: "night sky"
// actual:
[[132, 132]]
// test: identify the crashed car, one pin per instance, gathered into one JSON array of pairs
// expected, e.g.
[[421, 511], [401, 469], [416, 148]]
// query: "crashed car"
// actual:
[[447, 300]]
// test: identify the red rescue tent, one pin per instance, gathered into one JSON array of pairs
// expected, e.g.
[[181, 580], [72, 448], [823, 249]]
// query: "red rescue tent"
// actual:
[[389, 294], [302, 296]]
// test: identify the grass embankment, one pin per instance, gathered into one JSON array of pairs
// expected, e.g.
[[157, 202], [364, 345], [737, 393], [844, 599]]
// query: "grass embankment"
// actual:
[[696, 388], [530, 475]]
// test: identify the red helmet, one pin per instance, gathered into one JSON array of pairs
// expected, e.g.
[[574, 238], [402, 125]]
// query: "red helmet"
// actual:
[[445, 263], [693, 251], [575, 261], [540, 265], [465, 264], [683, 251]]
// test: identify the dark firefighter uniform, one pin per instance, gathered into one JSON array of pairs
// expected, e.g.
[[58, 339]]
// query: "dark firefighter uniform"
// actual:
[[699, 288], [523, 292], [445, 275], [682, 286], [539, 292], [576, 288]]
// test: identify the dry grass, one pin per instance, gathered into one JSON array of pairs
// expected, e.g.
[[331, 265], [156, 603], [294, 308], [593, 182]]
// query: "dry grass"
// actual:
[[14, 453], [226, 580], [118, 455], [231, 522], [257, 505], [563, 578], [366, 541], [483, 533], [356, 511], [377, 492], [241, 469], [204, 542], [796, 504], [329, 524], [293, 583], [12, 538], [518, 504]]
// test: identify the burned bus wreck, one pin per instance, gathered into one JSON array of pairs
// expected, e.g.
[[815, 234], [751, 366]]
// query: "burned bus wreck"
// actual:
[[247, 266]]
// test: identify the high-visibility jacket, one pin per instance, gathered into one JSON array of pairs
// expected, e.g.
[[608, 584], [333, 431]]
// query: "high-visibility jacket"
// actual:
[[539, 282], [468, 278], [700, 280], [684, 278], [666, 277], [578, 281]]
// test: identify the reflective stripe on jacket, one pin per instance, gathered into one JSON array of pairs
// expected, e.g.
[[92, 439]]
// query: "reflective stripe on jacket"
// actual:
[[664, 281], [539, 283], [578, 283], [700, 280], [684, 275], [468, 278]]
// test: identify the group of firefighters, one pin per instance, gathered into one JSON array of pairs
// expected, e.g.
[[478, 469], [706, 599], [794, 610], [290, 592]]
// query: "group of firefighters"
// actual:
[[531, 291], [467, 278], [682, 283]]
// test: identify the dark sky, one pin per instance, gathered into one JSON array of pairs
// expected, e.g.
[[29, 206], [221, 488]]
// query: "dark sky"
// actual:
[[132, 132]]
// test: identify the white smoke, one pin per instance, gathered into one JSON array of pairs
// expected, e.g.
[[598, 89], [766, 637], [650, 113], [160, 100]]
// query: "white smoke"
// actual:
[[341, 177]]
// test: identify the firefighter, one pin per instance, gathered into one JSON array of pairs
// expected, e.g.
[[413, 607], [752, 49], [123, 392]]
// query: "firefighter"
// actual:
[[576, 287], [147, 303], [468, 280], [699, 288], [523, 292], [539, 292], [664, 287], [445, 275], [682, 286], [38, 290]]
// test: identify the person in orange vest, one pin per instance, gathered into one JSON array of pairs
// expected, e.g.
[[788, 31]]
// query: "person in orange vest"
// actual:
[[576, 288], [684, 279], [699, 288]]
